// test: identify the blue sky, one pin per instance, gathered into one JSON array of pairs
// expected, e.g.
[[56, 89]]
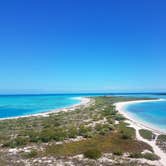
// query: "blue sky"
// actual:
[[89, 45]]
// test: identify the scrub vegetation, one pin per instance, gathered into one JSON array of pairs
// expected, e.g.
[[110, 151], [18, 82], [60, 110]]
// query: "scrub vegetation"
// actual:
[[91, 131], [146, 134]]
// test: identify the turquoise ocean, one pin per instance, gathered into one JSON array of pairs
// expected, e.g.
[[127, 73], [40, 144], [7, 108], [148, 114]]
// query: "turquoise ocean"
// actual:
[[22, 105]]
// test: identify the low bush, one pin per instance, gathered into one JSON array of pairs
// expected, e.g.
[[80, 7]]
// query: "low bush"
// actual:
[[92, 154], [119, 117], [72, 132], [126, 132], [19, 141], [118, 152], [85, 131], [146, 134], [135, 155], [103, 129], [150, 156], [162, 137], [109, 111]]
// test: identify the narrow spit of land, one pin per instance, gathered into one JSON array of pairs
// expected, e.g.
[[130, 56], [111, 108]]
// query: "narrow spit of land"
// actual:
[[94, 133]]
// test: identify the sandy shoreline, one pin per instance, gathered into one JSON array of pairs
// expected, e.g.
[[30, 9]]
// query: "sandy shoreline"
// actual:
[[121, 107], [83, 101]]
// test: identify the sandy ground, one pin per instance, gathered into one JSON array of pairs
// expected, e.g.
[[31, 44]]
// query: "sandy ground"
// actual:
[[121, 107]]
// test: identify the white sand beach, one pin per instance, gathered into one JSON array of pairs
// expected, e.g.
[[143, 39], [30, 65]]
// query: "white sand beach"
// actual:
[[121, 107]]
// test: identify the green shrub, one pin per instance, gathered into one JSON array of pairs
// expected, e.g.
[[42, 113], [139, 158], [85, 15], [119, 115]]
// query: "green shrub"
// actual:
[[126, 135], [19, 141], [109, 111], [60, 135], [136, 155], [103, 128], [72, 132], [33, 136], [150, 156], [119, 117], [110, 120], [161, 137], [46, 135], [92, 154], [118, 152], [146, 134], [85, 131], [126, 132]]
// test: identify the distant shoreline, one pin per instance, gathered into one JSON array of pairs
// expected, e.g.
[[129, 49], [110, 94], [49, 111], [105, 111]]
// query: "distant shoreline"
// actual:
[[83, 101]]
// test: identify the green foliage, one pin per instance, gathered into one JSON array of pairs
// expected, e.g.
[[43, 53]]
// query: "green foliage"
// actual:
[[60, 135], [119, 117], [46, 135], [109, 111], [148, 156], [110, 120], [118, 152], [33, 136], [73, 132], [161, 137], [19, 141], [92, 154], [85, 131], [126, 132], [146, 134], [103, 128], [135, 155]]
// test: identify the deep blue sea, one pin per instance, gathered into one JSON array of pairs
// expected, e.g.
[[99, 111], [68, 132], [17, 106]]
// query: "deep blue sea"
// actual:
[[20, 105]]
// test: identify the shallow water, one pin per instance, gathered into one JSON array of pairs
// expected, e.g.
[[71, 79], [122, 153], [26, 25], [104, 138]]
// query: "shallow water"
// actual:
[[153, 113], [21, 105]]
